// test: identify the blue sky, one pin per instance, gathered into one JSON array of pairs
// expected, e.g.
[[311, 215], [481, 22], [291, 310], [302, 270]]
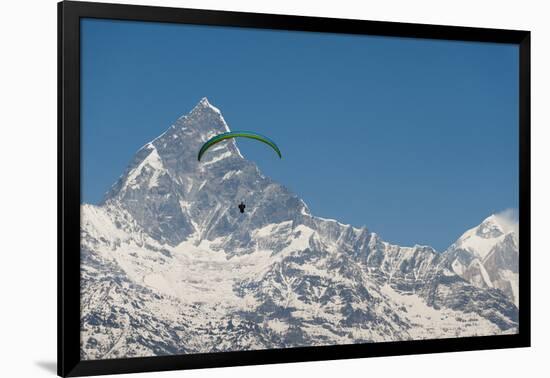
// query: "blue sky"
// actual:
[[415, 139]]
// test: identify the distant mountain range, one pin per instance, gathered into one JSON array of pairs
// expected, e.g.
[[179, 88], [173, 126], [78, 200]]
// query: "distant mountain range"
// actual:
[[170, 266]]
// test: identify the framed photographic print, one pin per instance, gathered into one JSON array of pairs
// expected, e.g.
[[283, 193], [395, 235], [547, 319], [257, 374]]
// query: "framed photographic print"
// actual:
[[239, 188]]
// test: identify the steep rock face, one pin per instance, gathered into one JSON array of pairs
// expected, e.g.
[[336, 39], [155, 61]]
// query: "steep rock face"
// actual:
[[169, 265]]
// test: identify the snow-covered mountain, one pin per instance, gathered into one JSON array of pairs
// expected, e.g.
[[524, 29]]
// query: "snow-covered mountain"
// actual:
[[169, 265], [487, 256]]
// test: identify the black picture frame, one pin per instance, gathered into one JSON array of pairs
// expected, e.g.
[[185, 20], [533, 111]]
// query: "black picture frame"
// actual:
[[69, 15]]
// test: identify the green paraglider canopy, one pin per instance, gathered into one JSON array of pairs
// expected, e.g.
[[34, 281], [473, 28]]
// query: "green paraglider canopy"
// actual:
[[234, 134]]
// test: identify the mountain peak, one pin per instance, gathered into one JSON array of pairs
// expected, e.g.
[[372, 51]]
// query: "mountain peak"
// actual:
[[490, 228], [499, 224], [482, 238], [486, 255], [204, 104], [204, 101], [205, 109]]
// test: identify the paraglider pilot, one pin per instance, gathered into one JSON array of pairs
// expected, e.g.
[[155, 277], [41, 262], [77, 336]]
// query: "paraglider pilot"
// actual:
[[242, 206], [237, 134]]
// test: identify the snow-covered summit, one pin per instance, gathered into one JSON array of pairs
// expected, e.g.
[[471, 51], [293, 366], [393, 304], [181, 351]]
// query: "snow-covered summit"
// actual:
[[488, 255], [482, 238], [205, 104]]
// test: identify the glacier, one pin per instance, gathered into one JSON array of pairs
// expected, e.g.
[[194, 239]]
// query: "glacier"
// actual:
[[170, 266]]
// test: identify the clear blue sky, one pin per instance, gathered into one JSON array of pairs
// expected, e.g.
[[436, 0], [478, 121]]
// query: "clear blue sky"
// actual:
[[415, 139]]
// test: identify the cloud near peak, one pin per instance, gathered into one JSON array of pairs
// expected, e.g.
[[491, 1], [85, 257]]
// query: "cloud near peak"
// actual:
[[509, 220]]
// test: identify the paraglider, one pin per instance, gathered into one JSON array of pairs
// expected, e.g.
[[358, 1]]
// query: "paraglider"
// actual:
[[235, 134]]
